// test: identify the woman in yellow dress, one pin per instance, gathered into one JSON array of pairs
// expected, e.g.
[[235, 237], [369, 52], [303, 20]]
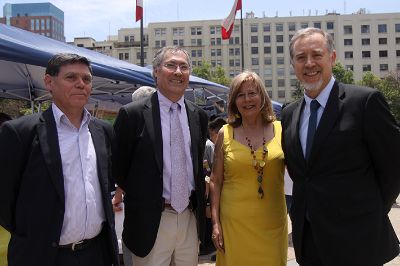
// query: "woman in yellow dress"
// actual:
[[247, 185]]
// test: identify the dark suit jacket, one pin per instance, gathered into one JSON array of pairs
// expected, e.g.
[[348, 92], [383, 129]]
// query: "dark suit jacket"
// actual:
[[32, 188], [351, 179], [140, 169]]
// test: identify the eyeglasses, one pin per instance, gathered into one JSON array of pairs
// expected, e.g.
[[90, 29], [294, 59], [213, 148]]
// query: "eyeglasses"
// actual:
[[174, 67]]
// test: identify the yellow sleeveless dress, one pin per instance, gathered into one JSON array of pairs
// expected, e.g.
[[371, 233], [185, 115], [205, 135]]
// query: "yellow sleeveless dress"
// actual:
[[254, 229]]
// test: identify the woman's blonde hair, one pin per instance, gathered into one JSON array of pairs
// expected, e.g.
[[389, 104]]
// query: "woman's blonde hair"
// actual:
[[266, 111]]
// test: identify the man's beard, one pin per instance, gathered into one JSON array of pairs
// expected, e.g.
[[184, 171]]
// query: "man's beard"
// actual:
[[312, 86]]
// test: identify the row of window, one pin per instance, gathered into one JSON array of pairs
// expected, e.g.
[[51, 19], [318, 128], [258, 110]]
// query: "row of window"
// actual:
[[367, 41], [46, 24], [367, 54], [382, 28], [125, 56]]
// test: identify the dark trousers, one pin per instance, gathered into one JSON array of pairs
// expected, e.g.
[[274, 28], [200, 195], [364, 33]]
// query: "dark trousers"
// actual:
[[96, 254], [310, 254]]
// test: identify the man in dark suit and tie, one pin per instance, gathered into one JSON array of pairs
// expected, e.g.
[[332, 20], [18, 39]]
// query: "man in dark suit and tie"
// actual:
[[342, 150], [160, 143], [56, 175]]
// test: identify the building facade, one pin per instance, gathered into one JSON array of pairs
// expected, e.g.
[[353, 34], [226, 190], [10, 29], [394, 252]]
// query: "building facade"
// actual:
[[363, 42], [42, 18]]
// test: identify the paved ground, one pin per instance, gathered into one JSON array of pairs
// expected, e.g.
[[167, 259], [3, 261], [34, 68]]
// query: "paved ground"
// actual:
[[394, 218]]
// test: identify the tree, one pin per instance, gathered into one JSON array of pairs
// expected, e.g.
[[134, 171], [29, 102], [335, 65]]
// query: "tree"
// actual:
[[342, 75], [390, 88], [298, 92], [216, 75]]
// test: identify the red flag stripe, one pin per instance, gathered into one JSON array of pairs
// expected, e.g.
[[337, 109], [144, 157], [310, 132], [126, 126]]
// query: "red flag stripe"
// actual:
[[139, 10], [228, 22]]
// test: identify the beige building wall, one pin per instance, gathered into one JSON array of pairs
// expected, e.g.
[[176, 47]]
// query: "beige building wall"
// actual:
[[363, 42]]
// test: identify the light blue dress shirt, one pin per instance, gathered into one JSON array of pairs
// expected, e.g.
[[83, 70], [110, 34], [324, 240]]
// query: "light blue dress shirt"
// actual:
[[322, 99]]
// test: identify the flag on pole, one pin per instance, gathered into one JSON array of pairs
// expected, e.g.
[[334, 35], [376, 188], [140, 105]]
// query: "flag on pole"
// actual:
[[139, 10], [227, 24]]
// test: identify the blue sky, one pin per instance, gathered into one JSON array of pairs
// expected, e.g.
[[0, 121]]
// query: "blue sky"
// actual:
[[99, 18]]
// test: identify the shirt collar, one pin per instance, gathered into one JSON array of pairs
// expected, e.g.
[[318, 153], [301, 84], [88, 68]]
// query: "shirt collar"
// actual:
[[60, 117], [323, 96], [166, 103]]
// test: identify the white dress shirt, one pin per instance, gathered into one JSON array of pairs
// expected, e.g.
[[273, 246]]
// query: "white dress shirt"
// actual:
[[84, 213]]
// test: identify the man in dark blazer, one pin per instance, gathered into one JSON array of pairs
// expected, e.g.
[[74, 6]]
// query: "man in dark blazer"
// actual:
[[56, 175], [346, 177], [156, 232]]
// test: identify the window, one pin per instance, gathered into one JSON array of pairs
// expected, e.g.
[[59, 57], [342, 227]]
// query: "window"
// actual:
[[131, 38], [215, 52], [348, 55], [237, 62], [234, 40], [279, 26], [231, 62], [138, 55], [42, 23], [32, 24], [178, 42], [281, 83], [304, 25], [330, 25], [47, 23], [268, 83], [194, 53], [215, 29], [121, 56], [267, 61], [178, 31], [279, 49], [266, 27], [254, 50], [317, 25], [293, 82], [196, 42], [397, 53], [215, 41], [237, 51], [349, 67], [382, 40], [267, 39], [366, 68], [292, 26], [281, 93], [397, 40], [254, 28], [236, 29], [254, 39], [267, 72], [254, 61], [383, 67], [231, 51], [383, 53], [364, 28], [365, 41], [280, 60], [269, 94], [348, 29], [267, 50], [279, 38], [158, 32], [348, 41], [366, 54], [195, 30], [382, 28], [280, 71], [398, 66], [397, 27]]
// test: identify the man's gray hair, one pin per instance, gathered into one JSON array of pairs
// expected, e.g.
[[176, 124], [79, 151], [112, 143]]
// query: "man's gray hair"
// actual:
[[160, 54], [142, 92], [308, 32]]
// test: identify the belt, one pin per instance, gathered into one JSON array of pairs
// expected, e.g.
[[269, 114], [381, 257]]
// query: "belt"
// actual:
[[167, 206], [80, 245]]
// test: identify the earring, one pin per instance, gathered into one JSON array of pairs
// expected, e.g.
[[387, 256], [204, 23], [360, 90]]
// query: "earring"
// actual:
[[237, 115]]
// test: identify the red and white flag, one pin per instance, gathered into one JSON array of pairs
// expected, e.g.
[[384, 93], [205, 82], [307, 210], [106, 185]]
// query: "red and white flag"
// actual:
[[227, 24], [139, 10]]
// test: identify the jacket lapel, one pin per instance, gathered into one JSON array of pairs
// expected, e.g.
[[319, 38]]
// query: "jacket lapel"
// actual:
[[153, 124], [194, 128], [295, 133], [328, 119], [100, 147], [48, 138]]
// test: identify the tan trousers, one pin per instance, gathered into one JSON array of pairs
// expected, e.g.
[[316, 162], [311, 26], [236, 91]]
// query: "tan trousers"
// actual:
[[176, 243]]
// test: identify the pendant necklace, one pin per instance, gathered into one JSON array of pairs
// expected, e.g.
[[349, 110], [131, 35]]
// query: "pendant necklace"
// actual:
[[258, 165]]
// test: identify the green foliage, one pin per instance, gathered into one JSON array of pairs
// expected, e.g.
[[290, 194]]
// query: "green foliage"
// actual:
[[390, 88], [13, 107], [298, 92], [4, 239], [28, 110], [342, 75], [216, 74]]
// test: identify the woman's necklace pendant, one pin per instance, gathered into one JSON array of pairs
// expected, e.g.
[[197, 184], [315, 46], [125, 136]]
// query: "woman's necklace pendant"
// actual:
[[262, 164]]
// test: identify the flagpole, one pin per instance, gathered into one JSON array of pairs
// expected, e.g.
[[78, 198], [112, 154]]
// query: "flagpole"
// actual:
[[241, 35], [141, 44]]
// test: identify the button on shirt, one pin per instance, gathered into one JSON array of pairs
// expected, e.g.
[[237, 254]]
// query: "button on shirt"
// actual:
[[84, 213], [165, 105], [322, 99]]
